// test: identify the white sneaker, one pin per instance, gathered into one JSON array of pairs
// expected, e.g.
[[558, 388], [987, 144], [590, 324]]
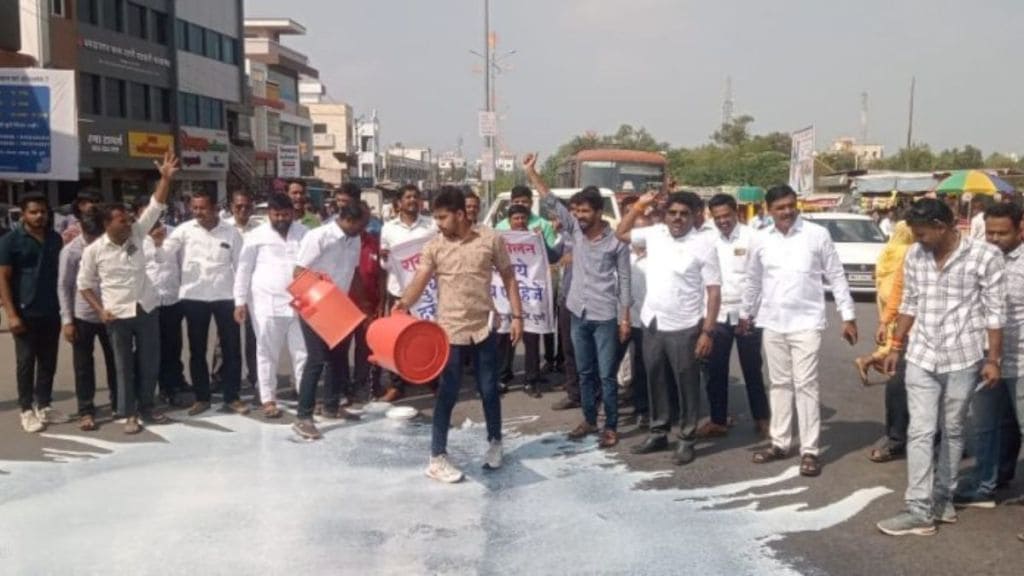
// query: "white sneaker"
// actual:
[[31, 423], [51, 415], [442, 470], [492, 460]]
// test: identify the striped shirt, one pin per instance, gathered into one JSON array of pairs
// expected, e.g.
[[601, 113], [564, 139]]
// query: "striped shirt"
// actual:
[[1013, 330], [952, 307]]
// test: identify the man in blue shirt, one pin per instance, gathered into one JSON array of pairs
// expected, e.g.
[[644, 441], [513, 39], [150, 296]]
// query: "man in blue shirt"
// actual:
[[29, 259]]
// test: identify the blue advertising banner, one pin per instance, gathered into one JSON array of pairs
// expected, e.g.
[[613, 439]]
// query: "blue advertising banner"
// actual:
[[38, 126]]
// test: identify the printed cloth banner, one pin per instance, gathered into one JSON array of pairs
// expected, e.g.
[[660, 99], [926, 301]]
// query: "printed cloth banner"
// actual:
[[403, 262], [38, 124], [529, 261]]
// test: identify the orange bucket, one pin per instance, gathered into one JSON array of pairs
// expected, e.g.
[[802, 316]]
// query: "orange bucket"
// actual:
[[327, 310], [416, 350]]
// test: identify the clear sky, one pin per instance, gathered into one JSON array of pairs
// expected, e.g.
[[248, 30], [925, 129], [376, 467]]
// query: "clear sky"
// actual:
[[594, 64]]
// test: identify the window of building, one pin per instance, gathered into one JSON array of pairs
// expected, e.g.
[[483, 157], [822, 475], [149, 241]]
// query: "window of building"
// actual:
[[205, 113], [213, 45], [162, 109], [113, 15], [58, 8], [181, 34], [159, 28], [87, 12], [89, 96], [229, 51], [137, 20], [141, 106], [319, 128], [195, 38], [188, 112], [114, 97]]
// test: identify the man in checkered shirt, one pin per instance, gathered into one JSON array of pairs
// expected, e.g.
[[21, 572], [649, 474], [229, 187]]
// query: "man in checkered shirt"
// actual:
[[953, 298], [993, 417]]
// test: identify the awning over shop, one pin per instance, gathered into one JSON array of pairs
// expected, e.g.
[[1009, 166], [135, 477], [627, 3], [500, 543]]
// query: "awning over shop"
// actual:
[[902, 182]]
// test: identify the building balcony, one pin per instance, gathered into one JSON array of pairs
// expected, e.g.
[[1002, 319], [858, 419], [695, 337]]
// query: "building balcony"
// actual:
[[271, 52], [323, 140]]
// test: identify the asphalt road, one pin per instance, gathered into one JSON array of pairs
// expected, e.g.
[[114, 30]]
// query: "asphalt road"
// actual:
[[983, 542]]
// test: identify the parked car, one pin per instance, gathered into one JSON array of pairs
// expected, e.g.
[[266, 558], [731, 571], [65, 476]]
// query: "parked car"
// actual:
[[498, 211], [858, 241]]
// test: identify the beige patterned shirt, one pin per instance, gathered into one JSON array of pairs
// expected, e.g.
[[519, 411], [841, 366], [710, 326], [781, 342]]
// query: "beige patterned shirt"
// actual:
[[463, 270]]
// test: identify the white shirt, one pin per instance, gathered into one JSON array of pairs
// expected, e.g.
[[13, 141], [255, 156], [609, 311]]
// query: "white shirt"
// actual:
[[118, 272], [638, 287], [784, 290], [733, 252], [208, 260], [678, 270], [886, 226], [163, 272], [394, 232], [978, 226], [327, 249], [266, 267], [251, 225]]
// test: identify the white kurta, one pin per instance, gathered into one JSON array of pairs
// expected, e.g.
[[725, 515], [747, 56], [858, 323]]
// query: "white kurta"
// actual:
[[265, 269]]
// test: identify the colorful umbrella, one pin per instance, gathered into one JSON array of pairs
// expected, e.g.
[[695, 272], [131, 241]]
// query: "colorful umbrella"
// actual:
[[973, 182], [750, 194]]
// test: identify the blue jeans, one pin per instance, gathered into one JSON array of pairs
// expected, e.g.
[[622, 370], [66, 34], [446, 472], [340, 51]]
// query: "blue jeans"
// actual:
[[933, 398], [597, 358], [993, 407], [485, 368]]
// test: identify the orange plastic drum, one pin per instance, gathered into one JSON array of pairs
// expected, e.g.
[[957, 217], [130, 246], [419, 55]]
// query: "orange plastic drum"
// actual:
[[327, 310], [416, 350]]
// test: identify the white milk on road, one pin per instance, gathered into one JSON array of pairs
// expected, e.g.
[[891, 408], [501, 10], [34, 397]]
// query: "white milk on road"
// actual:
[[248, 499]]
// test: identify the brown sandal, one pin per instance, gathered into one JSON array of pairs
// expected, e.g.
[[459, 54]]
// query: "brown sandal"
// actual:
[[809, 465], [770, 455], [87, 423], [270, 410]]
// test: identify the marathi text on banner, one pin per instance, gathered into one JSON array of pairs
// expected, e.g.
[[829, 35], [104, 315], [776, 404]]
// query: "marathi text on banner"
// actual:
[[402, 263], [530, 264], [529, 261]]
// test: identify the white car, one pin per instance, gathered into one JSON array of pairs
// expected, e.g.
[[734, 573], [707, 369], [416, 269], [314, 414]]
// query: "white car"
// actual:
[[499, 209], [858, 240]]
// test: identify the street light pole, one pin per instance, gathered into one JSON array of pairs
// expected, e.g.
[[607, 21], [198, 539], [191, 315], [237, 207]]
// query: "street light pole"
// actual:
[[488, 141]]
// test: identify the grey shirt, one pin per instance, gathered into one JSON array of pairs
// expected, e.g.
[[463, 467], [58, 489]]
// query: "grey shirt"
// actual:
[[72, 305], [600, 285]]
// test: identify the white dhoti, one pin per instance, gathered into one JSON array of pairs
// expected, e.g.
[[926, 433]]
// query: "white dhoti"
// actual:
[[272, 333]]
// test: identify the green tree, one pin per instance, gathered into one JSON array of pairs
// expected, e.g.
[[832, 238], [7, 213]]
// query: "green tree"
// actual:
[[1001, 162], [917, 158], [960, 159]]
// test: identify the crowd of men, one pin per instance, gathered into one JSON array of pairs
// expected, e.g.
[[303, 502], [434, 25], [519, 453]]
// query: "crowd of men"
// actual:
[[664, 295]]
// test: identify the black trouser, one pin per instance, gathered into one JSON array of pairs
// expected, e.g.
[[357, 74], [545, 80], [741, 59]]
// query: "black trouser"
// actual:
[[35, 352], [317, 355], [197, 315], [749, 349], [172, 371], [136, 343], [638, 368], [249, 353], [672, 363], [897, 414], [82, 351], [507, 353], [365, 380], [572, 381]]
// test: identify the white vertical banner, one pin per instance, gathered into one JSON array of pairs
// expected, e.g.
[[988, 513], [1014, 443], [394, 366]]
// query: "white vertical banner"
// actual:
[[487, 165], [38, 124], [288, 161], [487, 123], [403, 261], [801, 162], [530, 263]]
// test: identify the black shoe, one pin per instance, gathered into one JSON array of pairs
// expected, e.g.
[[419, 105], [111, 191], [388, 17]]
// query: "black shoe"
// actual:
[[684, 454], [533, 390], [288, 394], [565, 404], [502, 388], [651, 444]]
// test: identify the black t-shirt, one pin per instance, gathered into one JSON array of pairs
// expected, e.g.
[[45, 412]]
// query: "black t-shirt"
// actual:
[[34, 265]]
